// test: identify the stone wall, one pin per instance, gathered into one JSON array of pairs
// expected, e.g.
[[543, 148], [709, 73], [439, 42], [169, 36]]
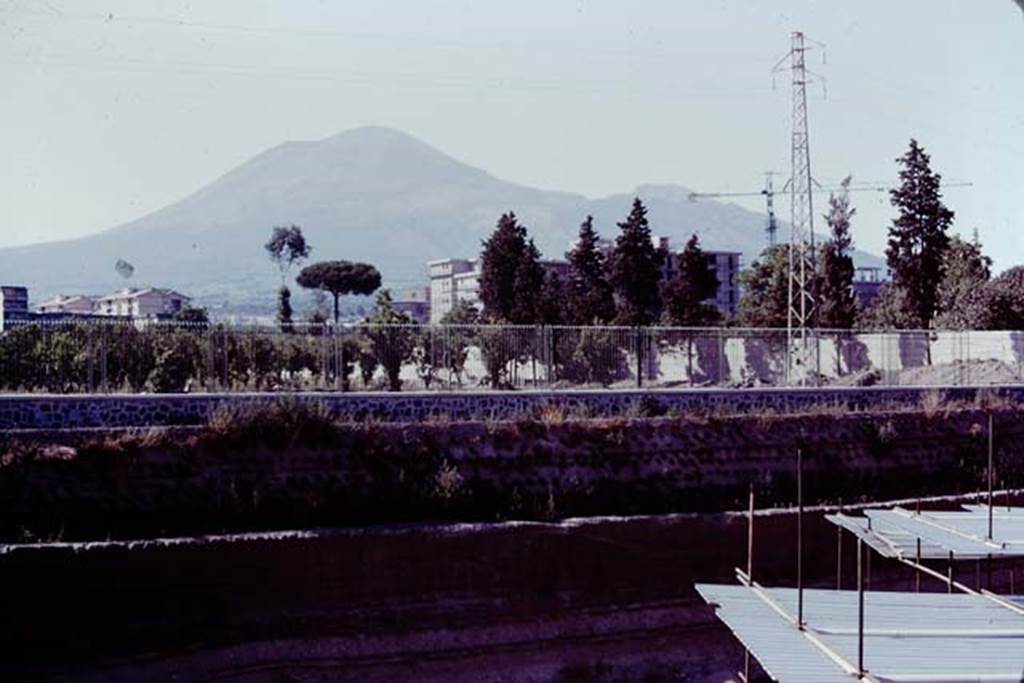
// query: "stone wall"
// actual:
[[77, 411]]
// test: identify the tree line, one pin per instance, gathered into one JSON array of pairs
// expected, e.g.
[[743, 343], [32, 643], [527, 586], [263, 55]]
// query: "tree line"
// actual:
[[939, 280], [634, 282]]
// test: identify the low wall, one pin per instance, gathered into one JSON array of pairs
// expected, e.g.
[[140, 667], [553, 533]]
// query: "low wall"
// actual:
[[78, 411]]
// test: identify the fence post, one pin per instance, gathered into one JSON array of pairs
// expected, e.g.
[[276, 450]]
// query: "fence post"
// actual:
[[720, 378], [967, 363], [343, 369], [224, 357], [818, 379], [553, 355], [210, 363], [638, 334], [445, 351]]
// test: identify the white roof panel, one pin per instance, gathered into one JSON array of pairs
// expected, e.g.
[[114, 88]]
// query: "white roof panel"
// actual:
[[908, 636], [895, 532]]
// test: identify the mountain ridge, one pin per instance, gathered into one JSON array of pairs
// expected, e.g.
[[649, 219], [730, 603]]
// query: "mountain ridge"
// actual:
[[372, 194]]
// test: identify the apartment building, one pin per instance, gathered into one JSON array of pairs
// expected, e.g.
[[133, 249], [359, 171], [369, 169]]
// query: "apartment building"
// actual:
[[77, 304], [13, 303], [455, 280], [444, 285], [726, 265], [152, 302]]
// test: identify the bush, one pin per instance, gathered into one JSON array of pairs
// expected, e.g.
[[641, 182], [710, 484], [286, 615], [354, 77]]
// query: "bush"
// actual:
[[595, 358], [178, 362]]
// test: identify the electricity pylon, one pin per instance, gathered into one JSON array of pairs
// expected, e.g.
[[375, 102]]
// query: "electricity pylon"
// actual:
[[800, 315]]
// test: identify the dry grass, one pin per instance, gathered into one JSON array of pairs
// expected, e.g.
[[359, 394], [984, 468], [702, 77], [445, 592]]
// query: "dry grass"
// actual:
[[275, 423], [933, 401], [551, 414], [993, 399]]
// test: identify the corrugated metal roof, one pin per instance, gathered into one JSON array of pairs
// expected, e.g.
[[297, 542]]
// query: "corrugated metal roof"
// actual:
[[894, 533], [908, 636]]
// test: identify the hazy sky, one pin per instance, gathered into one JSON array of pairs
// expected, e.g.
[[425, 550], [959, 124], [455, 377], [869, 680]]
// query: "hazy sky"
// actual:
[[115, 109]]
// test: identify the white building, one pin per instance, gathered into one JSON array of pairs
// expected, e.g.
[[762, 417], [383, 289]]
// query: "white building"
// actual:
[[455, 280], [142, 303], [451, 281], [76, 304]]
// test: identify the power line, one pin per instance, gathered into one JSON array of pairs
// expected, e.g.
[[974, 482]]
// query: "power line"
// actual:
[[357, 77], [307, 32]]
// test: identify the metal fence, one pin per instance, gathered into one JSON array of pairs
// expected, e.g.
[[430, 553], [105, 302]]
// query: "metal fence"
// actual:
[[122, 356]]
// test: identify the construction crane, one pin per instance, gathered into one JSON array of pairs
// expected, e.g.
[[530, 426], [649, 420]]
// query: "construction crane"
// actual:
[[769, 196]]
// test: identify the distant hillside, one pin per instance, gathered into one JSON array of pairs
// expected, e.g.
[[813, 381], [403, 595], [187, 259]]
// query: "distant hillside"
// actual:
[[372, 194]]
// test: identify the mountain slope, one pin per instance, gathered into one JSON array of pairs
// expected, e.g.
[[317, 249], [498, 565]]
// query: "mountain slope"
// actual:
[[371, 194]]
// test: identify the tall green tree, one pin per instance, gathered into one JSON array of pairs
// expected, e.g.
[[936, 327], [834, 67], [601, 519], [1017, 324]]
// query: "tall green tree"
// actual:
[[588, 295], [527, 306], [286, 247], [918, 238], [339, 278], [836, 303], [964, 297], [635, 270], [551, 306], [765, 286], [684, 297], [511, 276]]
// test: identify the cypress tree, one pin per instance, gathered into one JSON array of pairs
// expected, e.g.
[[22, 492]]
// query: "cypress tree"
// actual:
[[918, 237], [551, 306], [836, 302], [635, 270], [694, 282], [498, 263], [511, 276], [589, 298], [529, 285]]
